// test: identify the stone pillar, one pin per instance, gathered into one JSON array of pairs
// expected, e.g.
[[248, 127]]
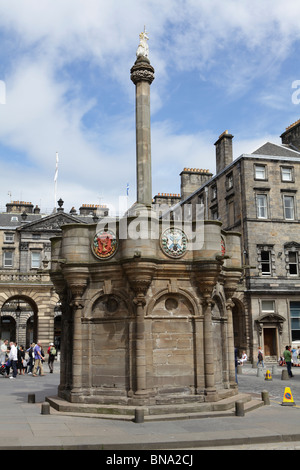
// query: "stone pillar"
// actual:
[[141, 382], [77, 281], [230, 339], [142, 75], [140, 275], [209, 360], [231, 280]]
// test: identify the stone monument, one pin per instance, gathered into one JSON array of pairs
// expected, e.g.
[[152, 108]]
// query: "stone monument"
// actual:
[[147, 299]]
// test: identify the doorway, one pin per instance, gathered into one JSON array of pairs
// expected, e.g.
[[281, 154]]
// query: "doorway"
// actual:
[[270, 348]]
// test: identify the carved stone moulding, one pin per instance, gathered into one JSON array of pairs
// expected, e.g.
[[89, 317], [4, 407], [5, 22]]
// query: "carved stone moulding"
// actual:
[[139, 275], [207, 274], [142, 71]]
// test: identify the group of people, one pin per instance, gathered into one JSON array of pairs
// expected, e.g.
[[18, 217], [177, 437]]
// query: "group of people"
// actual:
[[290, 357], [22, 361]]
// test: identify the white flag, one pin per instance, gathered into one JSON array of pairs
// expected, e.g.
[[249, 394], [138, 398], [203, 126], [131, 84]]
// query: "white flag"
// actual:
[[56, 168]]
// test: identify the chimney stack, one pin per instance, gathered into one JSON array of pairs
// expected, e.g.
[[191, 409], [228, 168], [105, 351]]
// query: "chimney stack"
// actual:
[[291, 136], [223, 151]]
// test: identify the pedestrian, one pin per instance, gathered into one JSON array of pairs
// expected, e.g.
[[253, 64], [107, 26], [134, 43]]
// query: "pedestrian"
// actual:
[[38, 358], [260, 357], [51, 356], [30, 358], [21, 358], [244, 358], [13, 357], [288, 360], [3, 351], [236, 363], [295, 356]]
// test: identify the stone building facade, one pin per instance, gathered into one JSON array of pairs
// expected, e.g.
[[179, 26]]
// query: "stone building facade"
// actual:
[[258, 195], [30, 307]]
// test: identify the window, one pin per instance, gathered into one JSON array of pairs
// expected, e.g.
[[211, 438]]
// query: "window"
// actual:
[[8, 238], [35, 260], [288, 206], [268, 306], [293, 263], [214, 214], [265, 257], [229, 181], [260, 172], [286, 173], [213, 192], [8, 259], [261, 205], [230, 212], [295, 320]]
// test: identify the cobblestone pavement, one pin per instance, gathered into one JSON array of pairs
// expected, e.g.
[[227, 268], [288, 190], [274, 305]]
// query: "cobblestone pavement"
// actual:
[[274, 427], [251, 381]]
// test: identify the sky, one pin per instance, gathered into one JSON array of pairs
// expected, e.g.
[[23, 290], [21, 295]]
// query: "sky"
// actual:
[[65, 87]]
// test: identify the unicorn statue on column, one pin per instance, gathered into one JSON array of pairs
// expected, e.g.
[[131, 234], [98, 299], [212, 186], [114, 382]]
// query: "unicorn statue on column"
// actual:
[[143, 48]]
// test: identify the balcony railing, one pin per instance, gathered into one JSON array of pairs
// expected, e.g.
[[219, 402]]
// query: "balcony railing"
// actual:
[[28, 278]]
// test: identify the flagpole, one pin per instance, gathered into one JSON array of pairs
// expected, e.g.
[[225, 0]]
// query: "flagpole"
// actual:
[[55, 181]]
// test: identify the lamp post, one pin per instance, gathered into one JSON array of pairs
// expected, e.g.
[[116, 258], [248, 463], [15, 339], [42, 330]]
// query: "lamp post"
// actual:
[[18, 312]]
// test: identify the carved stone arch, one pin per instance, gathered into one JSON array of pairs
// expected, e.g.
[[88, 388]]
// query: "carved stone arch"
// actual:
[[165, 294], [101, 296]]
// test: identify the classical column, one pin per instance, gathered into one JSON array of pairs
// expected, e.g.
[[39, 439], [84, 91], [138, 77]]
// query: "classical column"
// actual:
[[142, 75], [77, 281], [207, 273], [140, 275], [230, 339], [209, 359], [231, 279], [141, 382]]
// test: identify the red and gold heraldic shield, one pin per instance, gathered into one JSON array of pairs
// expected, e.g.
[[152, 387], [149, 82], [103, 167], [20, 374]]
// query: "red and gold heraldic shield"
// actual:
[[105, 244]]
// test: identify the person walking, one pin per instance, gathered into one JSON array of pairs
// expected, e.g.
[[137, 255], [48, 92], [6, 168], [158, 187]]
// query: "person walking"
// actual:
[[31, 358], [21, 359], [260, 357], [13, 357], [38, 358], [51, 356], [288, 360], [3, 351]]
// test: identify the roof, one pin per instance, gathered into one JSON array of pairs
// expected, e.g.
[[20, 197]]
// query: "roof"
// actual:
[[276, 150]]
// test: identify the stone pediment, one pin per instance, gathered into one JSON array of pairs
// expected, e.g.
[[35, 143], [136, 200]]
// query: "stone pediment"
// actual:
[[51, 223]]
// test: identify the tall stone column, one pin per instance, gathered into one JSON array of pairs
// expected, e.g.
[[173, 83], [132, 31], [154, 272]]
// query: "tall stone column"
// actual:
[[140, 275], [231, 280], [77, 281], [142, 75], [207, 274]]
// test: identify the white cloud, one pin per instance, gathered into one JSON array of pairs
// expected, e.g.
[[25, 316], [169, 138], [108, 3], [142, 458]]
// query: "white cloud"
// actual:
[[230, 43]]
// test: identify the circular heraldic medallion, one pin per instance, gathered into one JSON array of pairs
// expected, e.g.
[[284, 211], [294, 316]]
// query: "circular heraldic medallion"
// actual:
[[105, 244], [174, 242]]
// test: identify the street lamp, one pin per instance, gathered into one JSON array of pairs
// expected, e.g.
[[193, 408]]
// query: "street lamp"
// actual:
[[18, 312]]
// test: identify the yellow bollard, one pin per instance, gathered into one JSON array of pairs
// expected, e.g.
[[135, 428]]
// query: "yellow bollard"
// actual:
[[288, 398], [268, 375]]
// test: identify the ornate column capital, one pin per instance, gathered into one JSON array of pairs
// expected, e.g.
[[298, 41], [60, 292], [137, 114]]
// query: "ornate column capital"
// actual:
[[142, 70]]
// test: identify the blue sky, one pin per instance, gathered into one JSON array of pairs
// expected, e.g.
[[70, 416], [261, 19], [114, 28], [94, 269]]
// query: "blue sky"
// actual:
[[66, 68]]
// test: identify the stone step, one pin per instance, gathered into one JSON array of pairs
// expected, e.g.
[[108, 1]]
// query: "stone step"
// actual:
[[222, 408]]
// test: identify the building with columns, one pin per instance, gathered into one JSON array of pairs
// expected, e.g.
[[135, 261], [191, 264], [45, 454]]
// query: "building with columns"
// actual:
[[146, 300], [30, 307]]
